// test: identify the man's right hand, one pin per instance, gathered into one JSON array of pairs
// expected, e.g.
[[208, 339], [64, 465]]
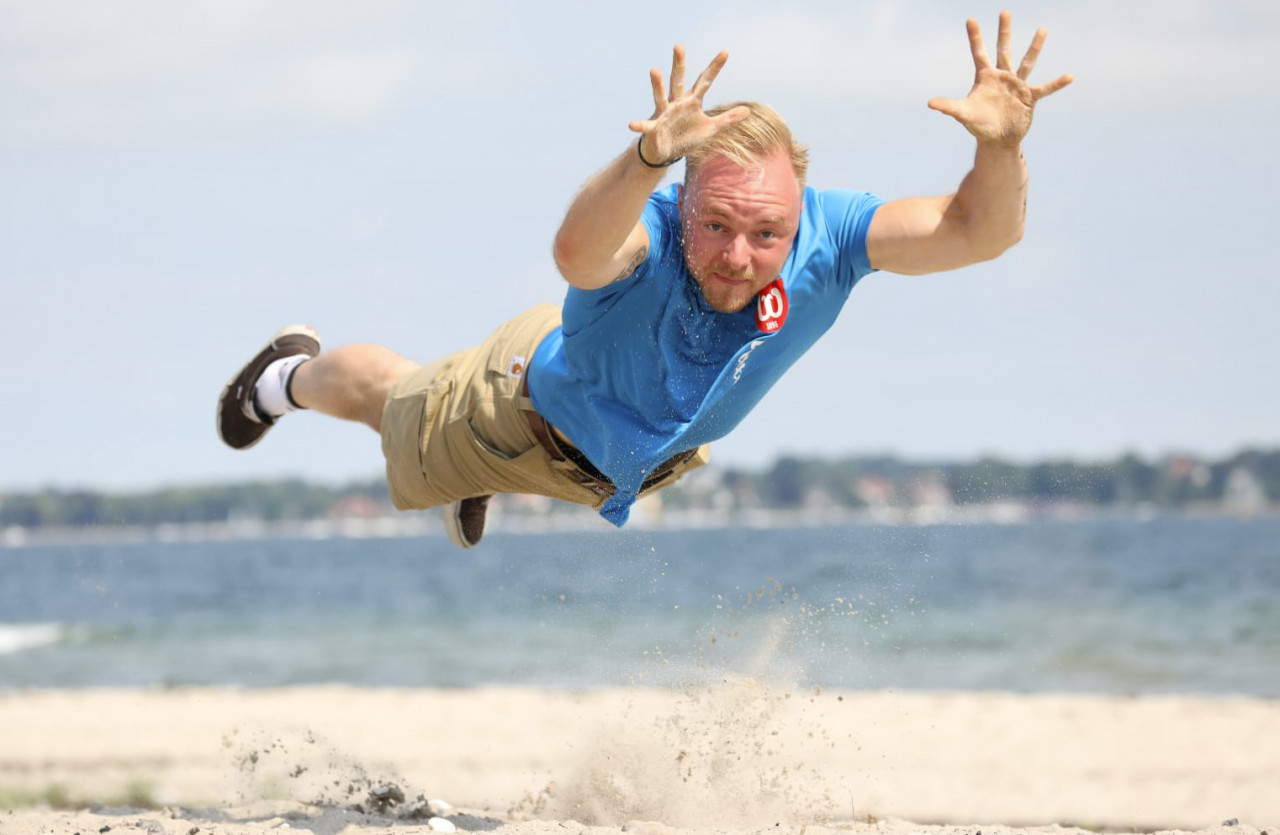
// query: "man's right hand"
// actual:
[[678, 123], [602, 239]]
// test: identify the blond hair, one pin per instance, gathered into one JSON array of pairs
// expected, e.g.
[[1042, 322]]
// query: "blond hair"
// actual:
[[749, 141]]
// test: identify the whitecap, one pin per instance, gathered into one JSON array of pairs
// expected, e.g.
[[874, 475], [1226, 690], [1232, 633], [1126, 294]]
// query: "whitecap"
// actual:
[[15, 637]]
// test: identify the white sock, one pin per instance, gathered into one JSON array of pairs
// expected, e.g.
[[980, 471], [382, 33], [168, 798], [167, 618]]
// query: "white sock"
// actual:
[[271, 395]]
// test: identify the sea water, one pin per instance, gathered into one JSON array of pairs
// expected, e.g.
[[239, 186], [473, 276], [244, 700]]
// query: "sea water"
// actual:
[[1185, 605]]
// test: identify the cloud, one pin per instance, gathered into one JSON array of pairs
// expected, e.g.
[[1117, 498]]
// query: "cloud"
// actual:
[[63, 43], [143, 69], [1138, 56], [338, 86], [858, 51], [150, 71]]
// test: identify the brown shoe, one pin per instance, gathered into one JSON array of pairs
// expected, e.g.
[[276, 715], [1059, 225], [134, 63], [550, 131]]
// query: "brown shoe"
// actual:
[[240, 425], [464, 520]]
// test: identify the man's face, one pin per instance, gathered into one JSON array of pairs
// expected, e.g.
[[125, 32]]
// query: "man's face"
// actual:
[[739, 224]]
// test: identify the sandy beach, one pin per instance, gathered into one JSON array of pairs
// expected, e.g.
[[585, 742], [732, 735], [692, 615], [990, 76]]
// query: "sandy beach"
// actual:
[[743, 756]]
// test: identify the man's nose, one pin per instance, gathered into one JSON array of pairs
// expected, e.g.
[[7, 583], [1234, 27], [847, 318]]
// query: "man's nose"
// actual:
[[737, 253]]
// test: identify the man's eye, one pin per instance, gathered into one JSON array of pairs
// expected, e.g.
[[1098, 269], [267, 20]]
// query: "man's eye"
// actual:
[[768, 233], [714, 227]]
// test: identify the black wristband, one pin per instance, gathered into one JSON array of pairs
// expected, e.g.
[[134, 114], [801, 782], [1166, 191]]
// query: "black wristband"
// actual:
[[648, 164]]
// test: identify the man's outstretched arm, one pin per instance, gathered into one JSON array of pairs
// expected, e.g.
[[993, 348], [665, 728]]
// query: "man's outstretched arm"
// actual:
[[985, 215], [602, 239]]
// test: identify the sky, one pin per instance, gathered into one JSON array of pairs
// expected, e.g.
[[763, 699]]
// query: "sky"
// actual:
[[179, 180]]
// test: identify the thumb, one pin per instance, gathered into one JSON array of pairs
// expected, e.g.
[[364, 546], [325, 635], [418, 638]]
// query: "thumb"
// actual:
[[737, 114], [951, 107]]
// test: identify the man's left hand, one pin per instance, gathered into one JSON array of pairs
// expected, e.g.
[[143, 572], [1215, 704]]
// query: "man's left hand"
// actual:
[[999, 107]]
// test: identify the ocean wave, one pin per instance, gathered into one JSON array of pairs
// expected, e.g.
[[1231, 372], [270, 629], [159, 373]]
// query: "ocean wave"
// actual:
[[16, 637]]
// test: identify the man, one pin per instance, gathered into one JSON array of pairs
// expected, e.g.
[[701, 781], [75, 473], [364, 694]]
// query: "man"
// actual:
[[685, 306]]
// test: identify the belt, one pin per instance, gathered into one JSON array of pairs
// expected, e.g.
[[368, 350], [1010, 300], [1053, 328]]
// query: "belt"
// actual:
[[577, 465]]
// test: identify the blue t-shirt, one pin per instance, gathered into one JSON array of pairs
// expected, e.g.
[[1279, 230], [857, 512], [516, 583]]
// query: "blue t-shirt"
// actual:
[[643, 369]]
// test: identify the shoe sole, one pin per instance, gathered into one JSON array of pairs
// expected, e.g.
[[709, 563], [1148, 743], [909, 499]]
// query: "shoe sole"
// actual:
[[453, 522], [453, 525]]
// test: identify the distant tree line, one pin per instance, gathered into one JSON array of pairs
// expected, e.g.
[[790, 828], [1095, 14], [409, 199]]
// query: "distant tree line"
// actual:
[[790, 482], [1173, 481], [268, 501]]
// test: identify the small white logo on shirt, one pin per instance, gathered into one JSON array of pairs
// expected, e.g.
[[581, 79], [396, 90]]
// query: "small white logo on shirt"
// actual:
[[516, 368], [742, 360]]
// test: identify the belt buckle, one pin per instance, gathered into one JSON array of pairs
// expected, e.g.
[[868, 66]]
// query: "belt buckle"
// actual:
[[593, 484]]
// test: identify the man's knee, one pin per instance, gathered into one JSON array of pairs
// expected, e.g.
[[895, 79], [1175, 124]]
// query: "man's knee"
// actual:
[[375, 399]]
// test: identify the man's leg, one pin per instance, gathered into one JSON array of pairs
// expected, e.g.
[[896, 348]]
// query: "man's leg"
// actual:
[[351, 382], [290, 373]]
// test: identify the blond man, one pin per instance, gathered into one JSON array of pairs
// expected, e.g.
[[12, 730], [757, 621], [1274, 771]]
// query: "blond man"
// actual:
[[686, 304]]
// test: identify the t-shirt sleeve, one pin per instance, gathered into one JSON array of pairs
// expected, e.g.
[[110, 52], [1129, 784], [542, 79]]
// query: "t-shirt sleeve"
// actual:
[[660, 218], [848, 217]]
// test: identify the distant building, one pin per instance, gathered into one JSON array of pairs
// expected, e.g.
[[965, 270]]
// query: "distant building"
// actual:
[[356, 507], [1191, 470], [875, 491], [929, 489], [931, 498], [1244, 494]]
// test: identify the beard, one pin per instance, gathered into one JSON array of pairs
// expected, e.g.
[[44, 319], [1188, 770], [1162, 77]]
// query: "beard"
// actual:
[[723, 297]]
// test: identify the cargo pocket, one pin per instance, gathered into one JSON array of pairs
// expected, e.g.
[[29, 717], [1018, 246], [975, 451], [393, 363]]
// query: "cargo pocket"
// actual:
[[407, 426], [495, 470]]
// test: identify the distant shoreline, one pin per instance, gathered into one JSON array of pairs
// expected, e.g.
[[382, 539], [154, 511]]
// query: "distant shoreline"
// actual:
[[788, 492], [397, 525]]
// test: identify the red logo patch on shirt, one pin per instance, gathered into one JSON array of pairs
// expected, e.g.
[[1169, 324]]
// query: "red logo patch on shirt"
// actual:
[[772, 307]]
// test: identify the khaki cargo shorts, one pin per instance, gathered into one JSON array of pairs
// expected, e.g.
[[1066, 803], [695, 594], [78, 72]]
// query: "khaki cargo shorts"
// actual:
[[456, 428]]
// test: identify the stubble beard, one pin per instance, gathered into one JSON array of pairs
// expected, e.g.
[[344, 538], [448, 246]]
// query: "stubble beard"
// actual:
[[725, 299]]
